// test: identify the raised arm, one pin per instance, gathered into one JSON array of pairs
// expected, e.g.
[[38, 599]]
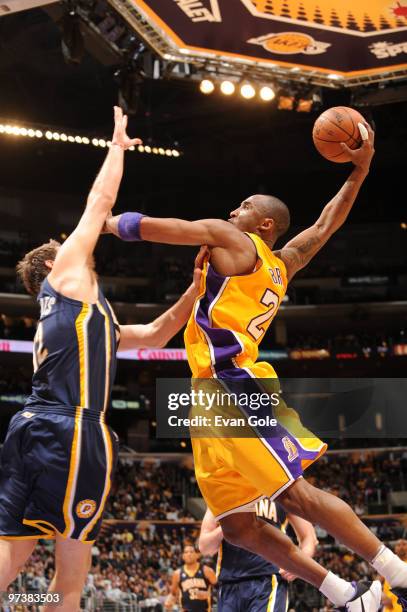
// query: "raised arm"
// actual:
[[157, 333], [70, 272], [299, 251], [211, 535]]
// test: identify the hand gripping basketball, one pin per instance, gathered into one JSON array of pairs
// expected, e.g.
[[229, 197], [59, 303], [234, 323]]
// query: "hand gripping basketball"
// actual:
[[362, 157]]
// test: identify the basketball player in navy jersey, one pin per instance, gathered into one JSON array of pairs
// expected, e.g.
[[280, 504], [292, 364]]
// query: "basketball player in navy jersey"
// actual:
[[192, 584], [248, 582], [59, 455]]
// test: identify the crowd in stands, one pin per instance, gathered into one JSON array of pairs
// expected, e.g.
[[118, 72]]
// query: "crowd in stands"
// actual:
[[363, 344], [15, 379], [17, 328], [136, 553], [361, 479], [165, 271], [135, 565], [149, 491]]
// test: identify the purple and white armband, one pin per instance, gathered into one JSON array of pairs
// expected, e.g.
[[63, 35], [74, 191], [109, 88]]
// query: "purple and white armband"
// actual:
[[129, 226]]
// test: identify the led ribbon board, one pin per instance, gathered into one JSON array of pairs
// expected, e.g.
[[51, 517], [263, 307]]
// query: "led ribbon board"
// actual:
[[345, 39]]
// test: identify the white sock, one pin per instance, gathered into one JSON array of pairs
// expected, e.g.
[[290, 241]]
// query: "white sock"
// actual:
[[391, 567], [337, 590]]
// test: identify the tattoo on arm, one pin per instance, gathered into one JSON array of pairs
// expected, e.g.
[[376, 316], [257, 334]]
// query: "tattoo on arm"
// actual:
[[297, 255], [307, 247]]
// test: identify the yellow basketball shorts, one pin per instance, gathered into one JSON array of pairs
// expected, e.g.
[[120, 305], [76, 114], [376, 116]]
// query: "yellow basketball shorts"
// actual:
[[233, 473]]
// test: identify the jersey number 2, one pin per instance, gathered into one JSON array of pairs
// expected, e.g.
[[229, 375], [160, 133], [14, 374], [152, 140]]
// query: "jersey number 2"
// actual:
[[269, 299], [40, 352]]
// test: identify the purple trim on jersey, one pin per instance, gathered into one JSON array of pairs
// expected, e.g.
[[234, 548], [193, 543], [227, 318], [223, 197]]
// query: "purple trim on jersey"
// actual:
[[225, 347], [223, 341], [273, 436]]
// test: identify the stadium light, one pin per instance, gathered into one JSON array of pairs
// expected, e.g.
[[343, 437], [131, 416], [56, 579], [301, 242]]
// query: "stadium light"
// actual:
[[247, 91], [267, 94], [206, 86], [286, 102], [16, 131], [227, 88], [304, 105]]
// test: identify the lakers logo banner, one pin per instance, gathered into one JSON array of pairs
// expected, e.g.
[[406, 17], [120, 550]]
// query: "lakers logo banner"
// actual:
[[349, 38]]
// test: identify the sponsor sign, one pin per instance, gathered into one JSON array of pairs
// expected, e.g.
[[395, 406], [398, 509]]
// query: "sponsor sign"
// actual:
[[347, 38]]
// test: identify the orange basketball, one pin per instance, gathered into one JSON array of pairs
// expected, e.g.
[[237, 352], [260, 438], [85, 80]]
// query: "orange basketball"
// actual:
[[336, 125]]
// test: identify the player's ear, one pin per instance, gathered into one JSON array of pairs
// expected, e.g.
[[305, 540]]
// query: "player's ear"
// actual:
[[49, 263], [267, 225]]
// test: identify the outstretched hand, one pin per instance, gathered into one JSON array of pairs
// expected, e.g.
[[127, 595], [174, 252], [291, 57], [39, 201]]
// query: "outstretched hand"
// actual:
[[120, 136], [362, 156]]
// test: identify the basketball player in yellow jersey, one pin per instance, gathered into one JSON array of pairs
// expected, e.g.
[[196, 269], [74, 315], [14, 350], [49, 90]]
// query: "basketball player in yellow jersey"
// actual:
[[389, 600], [243, 283]]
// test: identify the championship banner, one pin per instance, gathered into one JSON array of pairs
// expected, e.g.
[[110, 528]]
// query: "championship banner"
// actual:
[[340, 39]]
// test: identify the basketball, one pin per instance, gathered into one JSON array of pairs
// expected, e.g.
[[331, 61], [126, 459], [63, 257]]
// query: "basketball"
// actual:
[[336, 125]]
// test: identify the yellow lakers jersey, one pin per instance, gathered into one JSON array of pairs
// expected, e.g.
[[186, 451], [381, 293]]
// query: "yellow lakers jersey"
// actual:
[[232, 314], [395, 606]]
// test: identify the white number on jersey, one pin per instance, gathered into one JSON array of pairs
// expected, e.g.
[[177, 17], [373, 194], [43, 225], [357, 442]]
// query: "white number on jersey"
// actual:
[[255, 328]]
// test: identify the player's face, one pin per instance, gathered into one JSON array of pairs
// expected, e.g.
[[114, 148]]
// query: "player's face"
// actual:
[[190, 556], [401, 549], [247, 217]]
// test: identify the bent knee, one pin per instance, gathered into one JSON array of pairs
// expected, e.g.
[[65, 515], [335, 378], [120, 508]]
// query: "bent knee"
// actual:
[[239, 532], [301, 498]]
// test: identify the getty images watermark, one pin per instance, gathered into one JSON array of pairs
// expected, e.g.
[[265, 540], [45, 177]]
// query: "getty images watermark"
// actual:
[[327, 408], [218, 408]]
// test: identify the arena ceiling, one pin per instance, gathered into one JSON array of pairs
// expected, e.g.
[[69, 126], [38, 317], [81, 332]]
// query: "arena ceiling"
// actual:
[[328, 42], [231, 146]]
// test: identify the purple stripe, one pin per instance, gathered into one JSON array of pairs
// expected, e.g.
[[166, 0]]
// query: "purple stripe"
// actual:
[[233, 378], [224, 343]]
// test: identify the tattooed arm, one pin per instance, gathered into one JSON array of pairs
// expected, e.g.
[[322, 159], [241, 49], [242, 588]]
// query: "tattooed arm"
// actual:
[[300, 250]]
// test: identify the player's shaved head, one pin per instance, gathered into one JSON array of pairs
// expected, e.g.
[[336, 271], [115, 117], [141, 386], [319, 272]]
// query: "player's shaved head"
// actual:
[[264, 215], [274, 208]]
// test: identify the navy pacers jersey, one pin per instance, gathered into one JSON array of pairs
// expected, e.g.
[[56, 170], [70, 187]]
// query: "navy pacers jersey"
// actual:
[[74, 352], [59, 455], [235, 564], [189, 585]]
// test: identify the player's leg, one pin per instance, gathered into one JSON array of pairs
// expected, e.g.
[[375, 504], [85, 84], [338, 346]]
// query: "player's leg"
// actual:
[[13, 555], [229, 598], [72, 563], [324, 509], [338, 519], [17, 540], [268, 594], [244, 530]]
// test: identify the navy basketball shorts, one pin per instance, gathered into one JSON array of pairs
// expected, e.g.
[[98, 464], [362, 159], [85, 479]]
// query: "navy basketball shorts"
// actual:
[[268, 594], [57, 466]]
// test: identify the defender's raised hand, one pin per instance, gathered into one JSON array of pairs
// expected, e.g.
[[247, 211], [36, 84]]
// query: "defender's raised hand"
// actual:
[[198, 266], [363, 156], [120, 137]]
